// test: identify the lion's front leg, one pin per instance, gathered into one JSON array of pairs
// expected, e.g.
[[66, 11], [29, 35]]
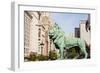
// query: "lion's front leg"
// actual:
[[62, 50], [61, 53]]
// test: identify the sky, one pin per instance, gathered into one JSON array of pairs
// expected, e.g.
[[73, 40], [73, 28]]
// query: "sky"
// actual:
[[68, 21]]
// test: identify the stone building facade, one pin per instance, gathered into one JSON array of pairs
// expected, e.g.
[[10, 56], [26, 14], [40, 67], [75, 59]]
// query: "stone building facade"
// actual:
[[36, 27], [27, 22], [84, 34], [83, 31]]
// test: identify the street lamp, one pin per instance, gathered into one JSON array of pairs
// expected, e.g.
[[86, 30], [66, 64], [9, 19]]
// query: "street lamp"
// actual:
[[42, 44]]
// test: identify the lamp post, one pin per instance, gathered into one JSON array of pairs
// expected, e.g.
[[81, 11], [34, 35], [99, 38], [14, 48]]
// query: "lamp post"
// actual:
[[42, 44]]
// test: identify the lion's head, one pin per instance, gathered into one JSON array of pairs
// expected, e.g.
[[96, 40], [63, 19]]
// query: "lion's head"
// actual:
[[53, 30]]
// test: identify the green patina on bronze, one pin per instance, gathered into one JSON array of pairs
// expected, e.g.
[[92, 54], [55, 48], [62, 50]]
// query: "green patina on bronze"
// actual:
[[62, 42]]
